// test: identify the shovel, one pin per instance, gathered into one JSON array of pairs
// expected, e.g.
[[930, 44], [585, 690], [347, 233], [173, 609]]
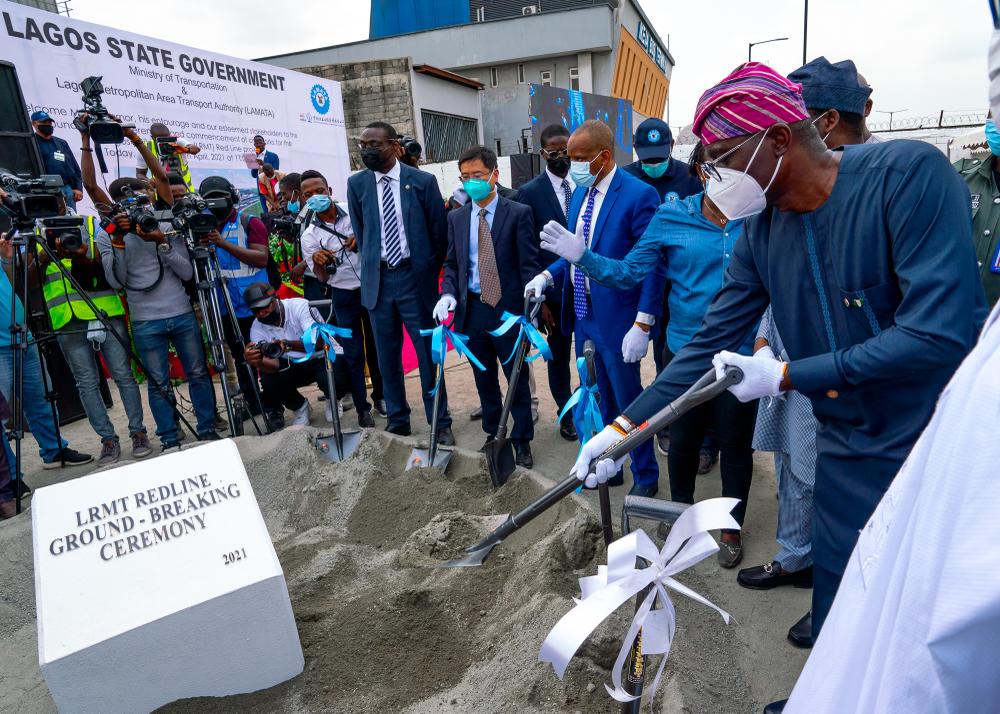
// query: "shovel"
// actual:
[[603, 493], [700, 392], [499, 451], [341, 444], [432, 456]]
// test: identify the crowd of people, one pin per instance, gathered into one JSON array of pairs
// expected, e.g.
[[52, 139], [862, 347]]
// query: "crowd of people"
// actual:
[[844, 275]]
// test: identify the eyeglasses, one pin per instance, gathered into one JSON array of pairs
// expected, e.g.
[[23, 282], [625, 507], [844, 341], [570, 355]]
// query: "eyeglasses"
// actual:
[[476, 175], [377, 145], [562, 154], [711, 168]]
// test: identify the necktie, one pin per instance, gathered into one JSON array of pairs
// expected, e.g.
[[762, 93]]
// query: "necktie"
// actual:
[[390, 227], [489, 278], [579, 280], [568, 196]]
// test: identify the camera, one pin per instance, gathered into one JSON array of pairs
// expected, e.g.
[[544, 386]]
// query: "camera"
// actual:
[[94, 118], [165, 146], [29, 199], [140, 214], [411, 150], [286, 227], [64, 230], [193, 213], [271, 350]]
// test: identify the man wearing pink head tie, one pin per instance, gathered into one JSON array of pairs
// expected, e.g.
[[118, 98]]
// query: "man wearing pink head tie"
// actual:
[[866, 255]]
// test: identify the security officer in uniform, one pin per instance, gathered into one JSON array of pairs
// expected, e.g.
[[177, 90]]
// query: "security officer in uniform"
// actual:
[[982, 176]]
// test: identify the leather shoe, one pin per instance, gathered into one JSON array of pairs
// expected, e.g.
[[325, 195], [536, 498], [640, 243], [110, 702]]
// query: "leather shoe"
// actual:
[[800, 634], [776, 707], [567, 430], [730, 552], [366, 420], [639, 490], [706, 460], [399, 429], [445, 437], [765, 577], [522, 455]]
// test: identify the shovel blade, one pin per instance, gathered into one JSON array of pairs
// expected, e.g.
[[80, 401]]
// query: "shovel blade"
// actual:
[[471, 559], [421, 459], [327, 445], [499, 460]]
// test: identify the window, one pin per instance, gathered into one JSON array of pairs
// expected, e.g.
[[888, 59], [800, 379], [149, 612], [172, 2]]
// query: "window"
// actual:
[[481, 14], [574, 78], [446, 136], [494, 77], [520, 74], [498, 147], [546, 77]]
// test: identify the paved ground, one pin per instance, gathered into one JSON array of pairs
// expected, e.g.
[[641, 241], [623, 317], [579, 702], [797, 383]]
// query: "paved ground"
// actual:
[[752, 653]]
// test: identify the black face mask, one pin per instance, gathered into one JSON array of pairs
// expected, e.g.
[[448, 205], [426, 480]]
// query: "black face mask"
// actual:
[[45, 129], [559, 166], [373, 159], [272, 318]]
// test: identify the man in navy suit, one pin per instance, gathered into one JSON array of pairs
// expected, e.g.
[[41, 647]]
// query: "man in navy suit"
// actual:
[[611, 210], [263, 157], [399, 222], [492, 254], [549, 195]]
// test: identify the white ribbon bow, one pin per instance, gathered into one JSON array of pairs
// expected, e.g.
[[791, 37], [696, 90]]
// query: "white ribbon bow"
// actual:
[[688, 543]]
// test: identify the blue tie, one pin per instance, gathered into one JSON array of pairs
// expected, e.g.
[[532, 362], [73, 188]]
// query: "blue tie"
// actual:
[[390, 227], [579, 280]]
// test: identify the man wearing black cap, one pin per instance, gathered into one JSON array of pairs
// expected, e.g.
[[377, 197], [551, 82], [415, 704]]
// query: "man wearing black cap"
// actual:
[[837, 98], [283, 322], [57, 157]]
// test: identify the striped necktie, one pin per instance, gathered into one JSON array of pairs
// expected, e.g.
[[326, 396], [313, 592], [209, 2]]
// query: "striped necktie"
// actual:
[[390, 225], [579, 280], [568, 196]]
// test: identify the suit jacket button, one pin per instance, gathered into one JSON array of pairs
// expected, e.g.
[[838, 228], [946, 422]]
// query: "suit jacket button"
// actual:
[[832, 393]]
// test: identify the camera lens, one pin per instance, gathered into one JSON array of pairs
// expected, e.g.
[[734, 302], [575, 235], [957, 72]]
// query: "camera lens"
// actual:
[[146, 222], [71, 241], [271, 350]]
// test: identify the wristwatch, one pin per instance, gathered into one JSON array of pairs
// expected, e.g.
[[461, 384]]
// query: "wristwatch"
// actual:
[[164, 247]]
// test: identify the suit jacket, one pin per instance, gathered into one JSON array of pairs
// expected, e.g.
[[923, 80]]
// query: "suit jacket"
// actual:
[[423, 222], [514, 244], [268, 157], [539, 195], [627, 209]]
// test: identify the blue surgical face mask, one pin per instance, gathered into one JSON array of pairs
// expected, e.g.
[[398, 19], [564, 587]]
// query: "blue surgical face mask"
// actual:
[[319, 203], [655, 171], [579, 171], [993, 137], [477, 188], [293, 207]]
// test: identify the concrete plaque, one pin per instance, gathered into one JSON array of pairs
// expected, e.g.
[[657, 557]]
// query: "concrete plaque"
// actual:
[[158, 581]]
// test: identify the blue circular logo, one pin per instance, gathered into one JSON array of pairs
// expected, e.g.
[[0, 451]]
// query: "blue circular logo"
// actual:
[[653, 135], [320, 99]]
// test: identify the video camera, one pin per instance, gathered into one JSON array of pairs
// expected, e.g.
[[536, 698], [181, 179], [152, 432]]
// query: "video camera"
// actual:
[[29, 199], [193, 213], [286, 226], [271, 350], [140, 214], [166, 146], [63, 231], [94, 118]]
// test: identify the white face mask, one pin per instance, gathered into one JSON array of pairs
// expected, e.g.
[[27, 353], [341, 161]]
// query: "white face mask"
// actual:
[[737, 194], [816, 120]]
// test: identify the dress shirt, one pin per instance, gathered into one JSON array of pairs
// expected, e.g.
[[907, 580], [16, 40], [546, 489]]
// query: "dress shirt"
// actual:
[[557, 187], [315, 237], [491, 210], [393, 175]]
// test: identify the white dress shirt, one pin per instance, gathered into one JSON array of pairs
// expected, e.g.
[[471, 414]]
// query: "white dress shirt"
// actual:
[[393, 175], [557, 187], [315, 237]]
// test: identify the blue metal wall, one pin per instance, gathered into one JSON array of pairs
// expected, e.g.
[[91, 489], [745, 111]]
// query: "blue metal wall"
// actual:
[[397, 17]]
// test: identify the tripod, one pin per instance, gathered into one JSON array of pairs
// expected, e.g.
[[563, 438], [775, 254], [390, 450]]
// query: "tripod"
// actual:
[[208, 277]]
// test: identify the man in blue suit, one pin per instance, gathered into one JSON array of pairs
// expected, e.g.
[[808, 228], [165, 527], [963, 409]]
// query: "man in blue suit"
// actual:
[[399, 222], [263, 157], [492, 254], [611, 210], [549, 195]]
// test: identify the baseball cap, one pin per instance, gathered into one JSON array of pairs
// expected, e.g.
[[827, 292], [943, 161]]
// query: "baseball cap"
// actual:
[[258, 295], [653, 139], [40, 116]]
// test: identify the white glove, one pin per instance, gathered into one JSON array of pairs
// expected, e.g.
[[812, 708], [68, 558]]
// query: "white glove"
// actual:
[[556, 238], [535, 289], [762, 374], [993, 67], [635, 345], [765, 351], [460, 196], [445, 305], [606, 468]]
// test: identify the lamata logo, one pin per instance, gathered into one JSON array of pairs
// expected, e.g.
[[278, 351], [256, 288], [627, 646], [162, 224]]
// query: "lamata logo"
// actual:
[[320, 98]]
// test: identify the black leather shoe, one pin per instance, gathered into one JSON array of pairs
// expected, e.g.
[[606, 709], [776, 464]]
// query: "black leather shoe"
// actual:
[[776, 707], [567, 430], [647, 491], [765, 577], [801, 633], [366, 420], [399, 429], [522, 455], [445, 437]]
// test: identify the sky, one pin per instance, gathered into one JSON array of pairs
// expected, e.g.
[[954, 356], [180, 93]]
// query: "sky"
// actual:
[[919, 56]]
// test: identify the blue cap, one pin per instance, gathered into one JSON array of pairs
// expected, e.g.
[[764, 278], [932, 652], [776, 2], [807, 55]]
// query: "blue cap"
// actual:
[[653, 139], [41, 116], [832, 85]]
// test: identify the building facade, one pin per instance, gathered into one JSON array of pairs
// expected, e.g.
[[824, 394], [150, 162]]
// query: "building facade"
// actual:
[[605, 47]]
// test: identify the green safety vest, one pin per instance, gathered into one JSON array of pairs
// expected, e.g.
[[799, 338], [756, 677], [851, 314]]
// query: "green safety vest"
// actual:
[[185, 171], [62, 300]]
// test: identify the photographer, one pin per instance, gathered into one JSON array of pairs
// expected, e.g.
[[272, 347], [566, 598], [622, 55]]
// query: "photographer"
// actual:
[[286, 264], [279, 325], [328, 244], [80, 334], [240, 245], [169, 152], [152, 268]]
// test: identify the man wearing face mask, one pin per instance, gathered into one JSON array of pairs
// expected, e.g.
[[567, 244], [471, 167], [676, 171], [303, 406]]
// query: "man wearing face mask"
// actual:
[[982, 176], [549, 196], [285, 255], [837, 100], [58, 158], [866, 258], [610, 210], [399, 222]]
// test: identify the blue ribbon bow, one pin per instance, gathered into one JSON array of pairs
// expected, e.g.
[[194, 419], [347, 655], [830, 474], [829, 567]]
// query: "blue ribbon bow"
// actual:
[[527, 330], [587, 415], [318, 333], [440, 337]]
